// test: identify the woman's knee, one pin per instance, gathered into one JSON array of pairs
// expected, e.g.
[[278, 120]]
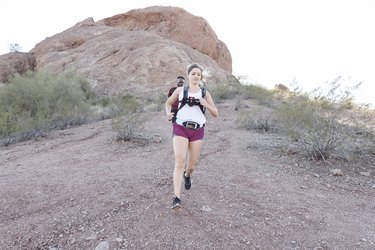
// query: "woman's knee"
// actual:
[[179, 163]]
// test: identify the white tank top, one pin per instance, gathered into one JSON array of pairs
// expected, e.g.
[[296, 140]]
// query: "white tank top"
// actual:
[[193, 113]]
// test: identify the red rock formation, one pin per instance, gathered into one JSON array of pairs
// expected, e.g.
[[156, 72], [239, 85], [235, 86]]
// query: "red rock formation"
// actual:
[[178, 25], [136, 55]]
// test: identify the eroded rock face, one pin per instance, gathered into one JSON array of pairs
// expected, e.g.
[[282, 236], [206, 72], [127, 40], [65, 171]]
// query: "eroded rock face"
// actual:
[[178, 25], [121, 57], [15, 62]]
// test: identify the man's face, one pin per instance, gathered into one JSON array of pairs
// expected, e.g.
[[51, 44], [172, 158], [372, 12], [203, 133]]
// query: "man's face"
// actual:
[[180, 82]]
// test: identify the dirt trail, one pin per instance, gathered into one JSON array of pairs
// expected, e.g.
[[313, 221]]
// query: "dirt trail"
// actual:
[[77, 188]]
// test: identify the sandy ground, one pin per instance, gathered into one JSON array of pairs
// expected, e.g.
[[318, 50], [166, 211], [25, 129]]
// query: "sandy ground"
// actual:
[[79, 189]]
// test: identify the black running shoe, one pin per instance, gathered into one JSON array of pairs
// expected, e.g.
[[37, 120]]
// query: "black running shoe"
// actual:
[[176, 202], [187, 182]]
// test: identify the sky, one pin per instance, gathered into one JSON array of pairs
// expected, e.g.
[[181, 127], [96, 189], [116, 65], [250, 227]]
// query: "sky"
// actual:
[[303, 42]]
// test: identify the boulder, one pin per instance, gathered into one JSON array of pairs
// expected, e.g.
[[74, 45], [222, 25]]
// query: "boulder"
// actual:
[[15, 62]]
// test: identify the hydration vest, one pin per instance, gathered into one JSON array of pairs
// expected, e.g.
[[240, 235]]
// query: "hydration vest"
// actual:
[[192, 101]]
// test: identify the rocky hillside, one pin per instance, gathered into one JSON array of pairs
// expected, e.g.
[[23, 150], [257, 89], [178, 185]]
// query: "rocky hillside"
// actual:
[[138, 51]]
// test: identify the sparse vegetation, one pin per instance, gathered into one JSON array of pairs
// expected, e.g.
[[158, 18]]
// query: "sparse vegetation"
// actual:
[[221, 92], [233, 89], [127, 118], [318, 133], [125, 112], [315, 120], [36, 102], [262, 95], [336, 95], [15, 47], [256, 119], [130, 128], [119, 105], [156, 102]]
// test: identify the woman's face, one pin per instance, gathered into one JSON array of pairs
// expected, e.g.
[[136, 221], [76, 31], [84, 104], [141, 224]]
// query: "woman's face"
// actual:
[[195, 75]]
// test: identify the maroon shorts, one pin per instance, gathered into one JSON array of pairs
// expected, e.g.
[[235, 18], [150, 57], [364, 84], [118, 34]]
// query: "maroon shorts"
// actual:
[[190, 134]]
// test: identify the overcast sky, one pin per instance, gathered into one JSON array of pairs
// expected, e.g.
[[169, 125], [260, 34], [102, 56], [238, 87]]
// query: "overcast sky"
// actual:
[[271, 41]]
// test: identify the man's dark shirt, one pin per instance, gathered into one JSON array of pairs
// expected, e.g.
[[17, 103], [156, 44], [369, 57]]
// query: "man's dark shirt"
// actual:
[[174, 105]]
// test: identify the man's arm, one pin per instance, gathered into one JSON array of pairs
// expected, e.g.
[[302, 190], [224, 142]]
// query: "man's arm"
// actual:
[[171, 90]]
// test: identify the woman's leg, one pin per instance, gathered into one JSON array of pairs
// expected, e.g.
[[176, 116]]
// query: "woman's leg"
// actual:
[[194, 152], [180, 147]]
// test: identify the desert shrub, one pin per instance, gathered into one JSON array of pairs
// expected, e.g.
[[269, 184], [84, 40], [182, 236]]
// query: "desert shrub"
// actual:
[[256, 119], [85, 86], [238, 103], [127, 119], [262, 95], [127, 104], [361, 146], [118, 105], [323, 126], [156, 102], [225, 90], [130, 128], [221, 92], [348, 103], [235, 85], [318, 133], [336, 94], [41, 101]]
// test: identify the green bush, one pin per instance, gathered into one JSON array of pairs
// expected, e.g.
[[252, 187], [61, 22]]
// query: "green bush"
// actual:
[[119, 105], [221, 92], [156, 102], [322, 124], [41, 101], [127, 119], [317, 131], [259, 93]]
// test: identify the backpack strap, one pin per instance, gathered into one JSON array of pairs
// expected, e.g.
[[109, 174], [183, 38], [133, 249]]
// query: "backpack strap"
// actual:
[[181, 103], [184, 97], [203, 89]]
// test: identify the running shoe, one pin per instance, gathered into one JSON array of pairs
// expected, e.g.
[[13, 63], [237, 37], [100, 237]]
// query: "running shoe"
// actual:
[[187, 181], [176, 202]]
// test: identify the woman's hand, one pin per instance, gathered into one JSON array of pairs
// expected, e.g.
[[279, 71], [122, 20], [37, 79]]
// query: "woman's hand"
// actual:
[[203, 102], [170, 116], [208, 103]]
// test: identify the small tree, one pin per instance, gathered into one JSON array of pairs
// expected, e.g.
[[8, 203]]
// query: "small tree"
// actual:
[[15, 47]]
